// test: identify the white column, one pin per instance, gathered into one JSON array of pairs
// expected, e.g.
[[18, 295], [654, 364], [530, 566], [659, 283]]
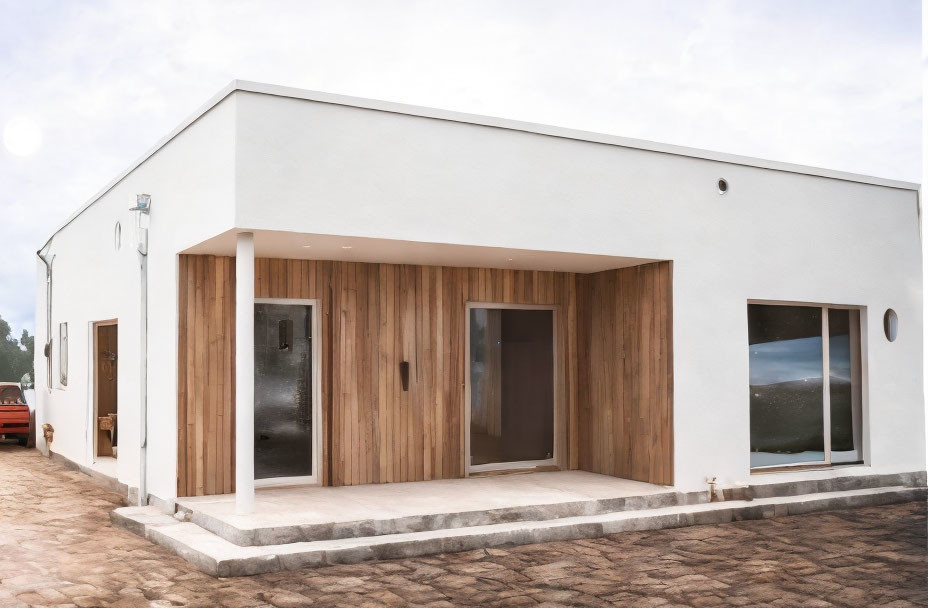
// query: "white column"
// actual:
[[244, 373]]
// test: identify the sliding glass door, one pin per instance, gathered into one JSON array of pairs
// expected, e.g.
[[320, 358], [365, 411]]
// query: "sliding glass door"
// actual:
[[844, 385], [797, 417]]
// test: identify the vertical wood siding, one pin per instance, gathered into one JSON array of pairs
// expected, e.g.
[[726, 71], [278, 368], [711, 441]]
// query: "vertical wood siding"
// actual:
[[205, 375], [372, 317], [626, 396]]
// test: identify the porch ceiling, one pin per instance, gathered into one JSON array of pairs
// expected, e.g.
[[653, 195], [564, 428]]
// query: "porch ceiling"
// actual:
[[295, 245]]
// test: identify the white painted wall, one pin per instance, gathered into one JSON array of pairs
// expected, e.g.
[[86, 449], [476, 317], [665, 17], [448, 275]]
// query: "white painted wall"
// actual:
[[322, 168], [191, 182], [331, 169]]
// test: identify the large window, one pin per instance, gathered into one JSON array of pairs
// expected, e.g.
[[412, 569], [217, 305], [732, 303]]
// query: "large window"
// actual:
[[796, 416]]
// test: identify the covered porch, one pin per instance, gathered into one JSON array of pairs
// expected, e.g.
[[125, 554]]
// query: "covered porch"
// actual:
[[391, 390]]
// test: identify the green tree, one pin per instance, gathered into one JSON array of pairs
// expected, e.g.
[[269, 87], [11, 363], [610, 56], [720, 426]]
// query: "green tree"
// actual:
[[15, 355]]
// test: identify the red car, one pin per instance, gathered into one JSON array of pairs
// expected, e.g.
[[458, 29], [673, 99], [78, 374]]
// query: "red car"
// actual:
[[14, 413]]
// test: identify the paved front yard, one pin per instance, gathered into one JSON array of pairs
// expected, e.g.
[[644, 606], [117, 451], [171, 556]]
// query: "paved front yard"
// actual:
[[57, 547]]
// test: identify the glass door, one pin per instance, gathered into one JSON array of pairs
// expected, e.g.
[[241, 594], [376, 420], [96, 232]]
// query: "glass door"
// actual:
[[283, 390], [511, 379]]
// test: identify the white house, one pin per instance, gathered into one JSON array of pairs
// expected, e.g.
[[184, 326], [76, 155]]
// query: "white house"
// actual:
[[324, 290]]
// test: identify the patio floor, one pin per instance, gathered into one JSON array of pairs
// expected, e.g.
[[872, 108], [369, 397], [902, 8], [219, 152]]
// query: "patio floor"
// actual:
[[300, 527], [305, 505]]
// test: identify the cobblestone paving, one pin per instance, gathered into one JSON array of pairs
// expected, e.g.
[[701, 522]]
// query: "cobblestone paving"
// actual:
[[57, 547]]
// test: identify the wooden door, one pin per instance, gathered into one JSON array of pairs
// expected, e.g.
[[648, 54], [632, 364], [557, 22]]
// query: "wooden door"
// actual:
[[106, 358]]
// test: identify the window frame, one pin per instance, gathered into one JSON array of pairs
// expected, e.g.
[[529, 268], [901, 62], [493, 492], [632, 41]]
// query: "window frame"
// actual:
[[826, 388]]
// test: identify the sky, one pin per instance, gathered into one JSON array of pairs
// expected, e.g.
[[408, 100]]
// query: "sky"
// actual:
[[86, 87]]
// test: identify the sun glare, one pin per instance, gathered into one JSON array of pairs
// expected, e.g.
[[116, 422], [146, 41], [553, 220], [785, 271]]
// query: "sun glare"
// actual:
[[22, 136]]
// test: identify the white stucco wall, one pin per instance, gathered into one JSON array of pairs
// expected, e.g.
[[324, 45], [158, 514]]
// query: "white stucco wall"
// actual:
[[262, 162], [332, 169], [191, 183]]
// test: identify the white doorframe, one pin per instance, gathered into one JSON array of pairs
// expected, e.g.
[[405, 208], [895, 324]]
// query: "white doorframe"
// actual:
[[525, 464], [314, 477]]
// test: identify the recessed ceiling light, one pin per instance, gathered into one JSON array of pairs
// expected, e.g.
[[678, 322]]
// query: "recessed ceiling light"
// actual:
[[346, 246], [510, 259], [306, 246]]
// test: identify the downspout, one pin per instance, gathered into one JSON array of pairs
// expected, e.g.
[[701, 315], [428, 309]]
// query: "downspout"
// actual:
[[43, 255], [143, 207]]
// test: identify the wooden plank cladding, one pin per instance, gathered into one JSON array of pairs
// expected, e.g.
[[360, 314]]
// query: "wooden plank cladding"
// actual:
[[372, 317], [378, 315], [205, 376], [626, 413]]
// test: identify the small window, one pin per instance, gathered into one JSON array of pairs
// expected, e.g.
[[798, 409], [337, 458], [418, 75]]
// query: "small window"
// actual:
[[723, 185], [117, 236], [890, 324], [63, 354]]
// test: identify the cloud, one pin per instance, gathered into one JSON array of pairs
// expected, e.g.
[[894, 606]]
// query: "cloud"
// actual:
[[828, 83]]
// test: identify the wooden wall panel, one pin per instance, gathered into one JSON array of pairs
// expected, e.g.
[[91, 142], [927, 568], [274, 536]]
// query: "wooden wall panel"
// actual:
[[205, 375], [626, 396], [374, 316]]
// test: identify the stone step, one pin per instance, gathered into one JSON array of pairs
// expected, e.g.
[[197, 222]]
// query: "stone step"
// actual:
[[219, 557], [285, 534], [279, 534]]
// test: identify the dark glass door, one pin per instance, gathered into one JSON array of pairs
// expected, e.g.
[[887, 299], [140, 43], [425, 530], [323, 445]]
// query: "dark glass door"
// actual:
[[512, 385], [283, 390]]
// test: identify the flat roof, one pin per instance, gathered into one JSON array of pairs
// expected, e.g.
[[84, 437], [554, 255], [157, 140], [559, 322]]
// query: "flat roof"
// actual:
[[487, 121]]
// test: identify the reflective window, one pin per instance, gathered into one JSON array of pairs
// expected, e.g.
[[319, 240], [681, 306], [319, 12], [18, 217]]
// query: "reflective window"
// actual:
[[63, 354], [788, 391], [283, 390], [844, 384], [787, 419]]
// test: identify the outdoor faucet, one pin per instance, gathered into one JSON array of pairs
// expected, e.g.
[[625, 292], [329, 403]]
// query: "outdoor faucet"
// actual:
[[48, 431], [715, 494]]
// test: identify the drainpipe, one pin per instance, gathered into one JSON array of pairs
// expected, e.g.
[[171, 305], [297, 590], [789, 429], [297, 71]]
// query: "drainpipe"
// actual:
[[143, 207], [40, 403], [43, 255]]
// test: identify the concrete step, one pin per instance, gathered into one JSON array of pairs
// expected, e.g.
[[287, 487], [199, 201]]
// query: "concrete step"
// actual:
[[285, 534], [278, 533], [219, 557]]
